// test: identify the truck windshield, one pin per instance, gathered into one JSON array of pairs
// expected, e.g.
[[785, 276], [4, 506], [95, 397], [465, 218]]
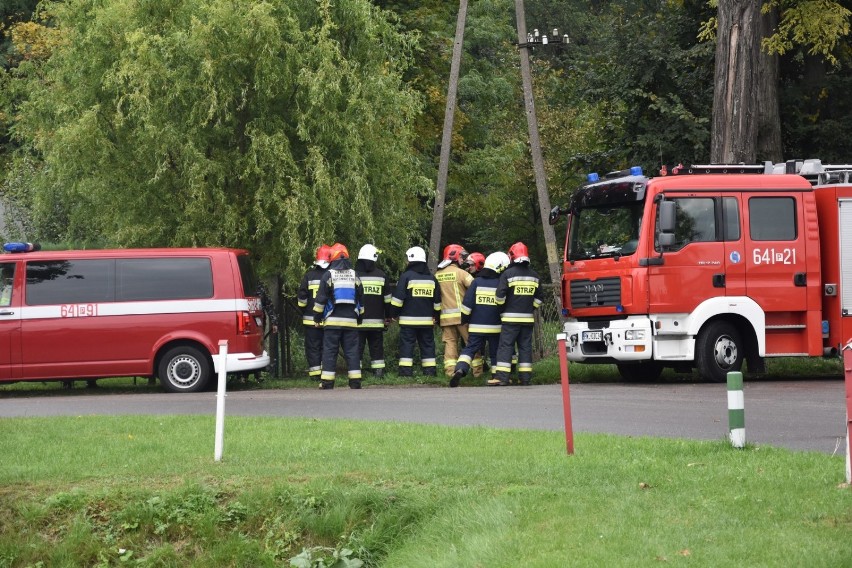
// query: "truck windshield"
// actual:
[[605, 231]]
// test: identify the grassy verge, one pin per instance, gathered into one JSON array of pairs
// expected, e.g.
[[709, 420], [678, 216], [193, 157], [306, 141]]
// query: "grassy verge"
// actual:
[[110, 491]]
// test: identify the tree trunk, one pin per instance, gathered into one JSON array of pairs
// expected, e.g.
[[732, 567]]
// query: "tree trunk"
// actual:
[[769, 146], [734, 132]]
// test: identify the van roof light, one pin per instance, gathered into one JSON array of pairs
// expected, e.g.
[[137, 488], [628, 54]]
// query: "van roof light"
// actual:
[[21, 247], [593, 177]]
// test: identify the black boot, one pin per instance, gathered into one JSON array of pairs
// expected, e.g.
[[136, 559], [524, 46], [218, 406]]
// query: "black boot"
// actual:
[[354, 383], [457, 377], [326, 385]]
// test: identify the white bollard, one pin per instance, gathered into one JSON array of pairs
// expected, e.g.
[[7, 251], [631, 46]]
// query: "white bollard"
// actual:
[[847, 372], [736, 409], [220, 400]]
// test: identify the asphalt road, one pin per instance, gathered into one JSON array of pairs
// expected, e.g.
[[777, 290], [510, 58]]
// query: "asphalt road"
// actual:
[[800, 415]]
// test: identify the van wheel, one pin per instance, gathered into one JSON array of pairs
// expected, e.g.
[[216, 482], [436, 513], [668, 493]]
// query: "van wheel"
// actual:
[[718, 351], [642, 371], [184, 369]]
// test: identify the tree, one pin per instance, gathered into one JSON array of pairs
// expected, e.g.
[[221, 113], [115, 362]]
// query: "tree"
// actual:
[[746, 119], [273, 125], [733, 137]]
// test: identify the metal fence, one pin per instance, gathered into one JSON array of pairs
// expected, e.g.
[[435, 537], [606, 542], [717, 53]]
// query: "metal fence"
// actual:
[[286, 347]]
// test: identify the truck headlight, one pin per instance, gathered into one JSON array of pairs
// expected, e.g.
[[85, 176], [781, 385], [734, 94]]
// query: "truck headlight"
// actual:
[[634, 334]]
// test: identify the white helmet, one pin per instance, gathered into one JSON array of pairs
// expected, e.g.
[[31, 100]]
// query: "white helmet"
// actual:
[[497, 261], [368, 252], [416, 254]]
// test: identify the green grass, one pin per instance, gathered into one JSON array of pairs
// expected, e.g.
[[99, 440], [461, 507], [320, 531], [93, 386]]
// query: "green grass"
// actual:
[[145, 491]]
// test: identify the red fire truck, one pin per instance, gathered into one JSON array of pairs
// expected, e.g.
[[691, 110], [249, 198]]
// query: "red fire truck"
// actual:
[[708, 266]]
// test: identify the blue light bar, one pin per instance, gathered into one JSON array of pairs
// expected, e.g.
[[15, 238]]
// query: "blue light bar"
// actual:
[[593, 177], [21, 247], [636, 171]]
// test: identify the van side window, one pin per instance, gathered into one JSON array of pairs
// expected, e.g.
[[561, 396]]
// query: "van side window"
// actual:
[[772, 218], [7, 279], [70, 282], [140, 279], [696, 221]]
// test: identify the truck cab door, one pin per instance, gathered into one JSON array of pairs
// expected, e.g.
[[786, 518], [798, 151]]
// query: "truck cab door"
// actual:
[[690, 268], [777, 263], [10, 321]]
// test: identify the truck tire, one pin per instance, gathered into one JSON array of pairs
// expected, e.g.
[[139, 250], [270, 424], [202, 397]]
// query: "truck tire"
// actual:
[[184, 369], [643, 371], [718, 351]]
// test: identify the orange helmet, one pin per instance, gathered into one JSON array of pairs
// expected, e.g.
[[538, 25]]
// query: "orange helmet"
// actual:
[[338, 251], [323, 256], [455, 253], [518, 252], [476, 260]]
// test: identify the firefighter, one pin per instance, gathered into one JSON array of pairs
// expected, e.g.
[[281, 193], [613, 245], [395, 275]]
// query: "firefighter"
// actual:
[[377, 297], [454, 282], [305, 296], [475, 262], [482, 314], [338, 309], [416, 303], [519, 294]]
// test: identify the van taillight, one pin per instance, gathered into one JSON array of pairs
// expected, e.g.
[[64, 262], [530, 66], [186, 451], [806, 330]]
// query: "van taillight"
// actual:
[[244, 323]]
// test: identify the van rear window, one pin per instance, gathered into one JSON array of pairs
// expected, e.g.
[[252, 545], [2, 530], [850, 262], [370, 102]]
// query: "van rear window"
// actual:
[[247, 276], [121, 280]]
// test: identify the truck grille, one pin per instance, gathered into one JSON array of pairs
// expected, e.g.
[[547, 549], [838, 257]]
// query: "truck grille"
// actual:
[[595, 293]]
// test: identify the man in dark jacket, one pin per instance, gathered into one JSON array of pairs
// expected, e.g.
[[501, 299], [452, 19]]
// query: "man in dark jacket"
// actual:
[[305, 296], [519, 294], [377, 297], [338, 308], [482, 314], [417, 304]]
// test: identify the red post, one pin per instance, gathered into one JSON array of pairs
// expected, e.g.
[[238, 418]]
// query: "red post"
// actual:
[[847, 367], [566, 392]]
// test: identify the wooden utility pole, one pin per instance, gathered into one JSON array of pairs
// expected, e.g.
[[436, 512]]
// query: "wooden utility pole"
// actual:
[[446, 141], [535, 150]]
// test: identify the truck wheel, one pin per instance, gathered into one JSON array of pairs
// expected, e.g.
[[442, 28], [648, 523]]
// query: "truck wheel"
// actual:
[[718, 351], [184, 369], [647, 371]]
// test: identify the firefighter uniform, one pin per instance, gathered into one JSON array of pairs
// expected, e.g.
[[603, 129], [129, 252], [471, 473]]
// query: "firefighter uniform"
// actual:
[[416, 302], [475, 263], [519, 293], [305, 296], [482, 313], [338, 305], [377, 297], [454, 282]]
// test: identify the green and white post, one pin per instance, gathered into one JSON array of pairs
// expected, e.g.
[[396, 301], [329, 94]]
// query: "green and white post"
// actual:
[[736, 409]]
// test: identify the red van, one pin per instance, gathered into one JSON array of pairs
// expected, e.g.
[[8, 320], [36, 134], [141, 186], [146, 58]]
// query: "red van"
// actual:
[[129, 312]]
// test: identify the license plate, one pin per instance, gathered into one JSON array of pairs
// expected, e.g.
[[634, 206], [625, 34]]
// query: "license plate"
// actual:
[[592, 336]]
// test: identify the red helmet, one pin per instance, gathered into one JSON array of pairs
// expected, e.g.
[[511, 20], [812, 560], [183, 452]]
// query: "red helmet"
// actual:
[[518, 252], [476, 260], [455, 253], [338, 251], [323, 254]]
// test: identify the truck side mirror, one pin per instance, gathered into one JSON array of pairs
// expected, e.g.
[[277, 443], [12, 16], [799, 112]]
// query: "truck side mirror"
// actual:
[[666, 225], [553, 218]]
